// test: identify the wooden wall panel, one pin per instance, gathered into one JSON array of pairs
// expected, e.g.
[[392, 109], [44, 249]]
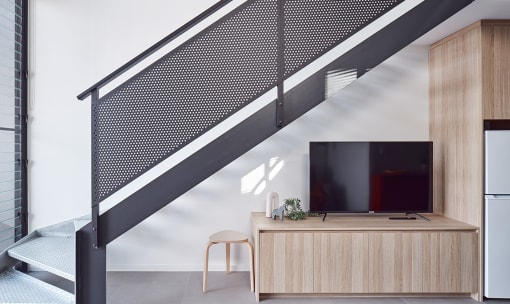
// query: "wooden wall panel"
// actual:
[[496, 69], [456, 125]]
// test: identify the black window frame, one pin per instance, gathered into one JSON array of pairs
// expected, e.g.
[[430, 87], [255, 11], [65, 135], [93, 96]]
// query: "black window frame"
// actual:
[[18, 149]]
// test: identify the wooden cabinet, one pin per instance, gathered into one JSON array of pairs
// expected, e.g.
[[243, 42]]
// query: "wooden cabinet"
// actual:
[[364, 255]]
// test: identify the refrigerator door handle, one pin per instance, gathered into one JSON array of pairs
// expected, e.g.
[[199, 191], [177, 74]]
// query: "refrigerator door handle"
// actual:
[[497, 196]]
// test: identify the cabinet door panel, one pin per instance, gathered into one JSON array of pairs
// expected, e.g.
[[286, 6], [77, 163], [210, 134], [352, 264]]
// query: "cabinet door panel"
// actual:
[[450, 262], [395, 262], [286, 262], [423, 262], [341, 263]]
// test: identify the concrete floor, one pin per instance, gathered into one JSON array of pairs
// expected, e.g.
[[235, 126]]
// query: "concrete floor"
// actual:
[[234, 288]]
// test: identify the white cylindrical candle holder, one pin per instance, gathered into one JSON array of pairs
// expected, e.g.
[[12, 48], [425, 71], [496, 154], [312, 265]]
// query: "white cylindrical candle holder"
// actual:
[[271, 203]]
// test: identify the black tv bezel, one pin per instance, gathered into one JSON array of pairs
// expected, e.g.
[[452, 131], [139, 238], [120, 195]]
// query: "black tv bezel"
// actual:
[[430, 210]]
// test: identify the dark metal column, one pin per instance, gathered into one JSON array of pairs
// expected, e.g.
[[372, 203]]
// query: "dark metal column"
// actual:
[[90, 269], [23, 86], [24, 117], [22, 139]]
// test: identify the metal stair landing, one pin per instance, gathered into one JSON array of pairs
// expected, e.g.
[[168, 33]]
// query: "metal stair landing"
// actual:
[[17, 287], [54, 254]]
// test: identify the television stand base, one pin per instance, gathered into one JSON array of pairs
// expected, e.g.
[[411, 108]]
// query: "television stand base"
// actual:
[[362, 247]]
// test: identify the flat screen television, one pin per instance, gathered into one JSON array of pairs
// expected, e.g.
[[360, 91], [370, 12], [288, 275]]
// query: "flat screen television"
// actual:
[[359, 177]]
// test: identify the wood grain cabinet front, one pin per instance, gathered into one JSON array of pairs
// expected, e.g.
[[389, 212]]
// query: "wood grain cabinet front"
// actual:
[[396, 262], [369, 256], [423, 262], [450, 262], [341, 262], [286, 262]]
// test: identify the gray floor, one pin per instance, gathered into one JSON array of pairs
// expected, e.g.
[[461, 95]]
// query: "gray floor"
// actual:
[[186, 288]]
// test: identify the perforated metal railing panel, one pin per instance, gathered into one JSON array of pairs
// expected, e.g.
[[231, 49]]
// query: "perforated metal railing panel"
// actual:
[[210, 77], [185, 93], [314, 27]]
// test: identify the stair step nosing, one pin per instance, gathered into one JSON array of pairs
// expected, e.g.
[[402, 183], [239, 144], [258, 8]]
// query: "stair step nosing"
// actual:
[[59, 261], [62, 273], [30, 290]]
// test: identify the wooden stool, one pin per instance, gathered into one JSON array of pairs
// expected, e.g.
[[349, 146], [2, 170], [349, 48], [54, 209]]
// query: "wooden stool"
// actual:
[[227, 237]]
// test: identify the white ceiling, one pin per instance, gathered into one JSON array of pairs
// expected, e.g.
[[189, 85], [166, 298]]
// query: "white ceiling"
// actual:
[[478, 10]]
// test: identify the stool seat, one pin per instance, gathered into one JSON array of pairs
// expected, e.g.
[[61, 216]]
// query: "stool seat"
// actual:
[[230, 236], [227, 237]]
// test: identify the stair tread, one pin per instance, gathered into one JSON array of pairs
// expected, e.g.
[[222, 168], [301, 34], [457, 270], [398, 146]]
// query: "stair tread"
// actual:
[[17, 287], [54, 254]]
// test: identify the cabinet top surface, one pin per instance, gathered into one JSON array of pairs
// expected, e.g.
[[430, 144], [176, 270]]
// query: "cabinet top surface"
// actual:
[[366, 222]]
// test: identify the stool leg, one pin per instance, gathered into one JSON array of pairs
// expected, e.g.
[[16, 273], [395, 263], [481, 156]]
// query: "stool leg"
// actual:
[[252, 280], [227, 249], [206, 266]]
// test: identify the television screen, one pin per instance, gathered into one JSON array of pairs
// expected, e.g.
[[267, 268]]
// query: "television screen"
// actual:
[[386, 177]]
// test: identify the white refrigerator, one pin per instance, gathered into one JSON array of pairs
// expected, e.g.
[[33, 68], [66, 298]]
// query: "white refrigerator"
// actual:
[[497, 214]]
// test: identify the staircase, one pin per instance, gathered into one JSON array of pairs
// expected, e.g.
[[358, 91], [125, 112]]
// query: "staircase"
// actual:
[[50, 249], [257, 50]]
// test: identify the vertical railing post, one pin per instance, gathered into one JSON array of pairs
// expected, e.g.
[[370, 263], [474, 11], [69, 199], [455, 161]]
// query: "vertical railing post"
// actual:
[[280, 68], [90, 251], [94, 174]]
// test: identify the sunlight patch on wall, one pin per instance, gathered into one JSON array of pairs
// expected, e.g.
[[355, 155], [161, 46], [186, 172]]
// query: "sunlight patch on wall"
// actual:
[[260, 187], [275, 166], [250, 181], [257, 180]]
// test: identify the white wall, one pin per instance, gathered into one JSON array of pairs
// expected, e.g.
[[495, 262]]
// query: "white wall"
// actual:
[[74, 44], [388, 103]]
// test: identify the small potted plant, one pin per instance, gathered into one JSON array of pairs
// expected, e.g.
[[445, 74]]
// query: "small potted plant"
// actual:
[[294, 211]]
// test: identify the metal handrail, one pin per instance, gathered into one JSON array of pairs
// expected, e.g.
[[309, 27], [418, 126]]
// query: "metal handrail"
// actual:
[[158, 45]]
